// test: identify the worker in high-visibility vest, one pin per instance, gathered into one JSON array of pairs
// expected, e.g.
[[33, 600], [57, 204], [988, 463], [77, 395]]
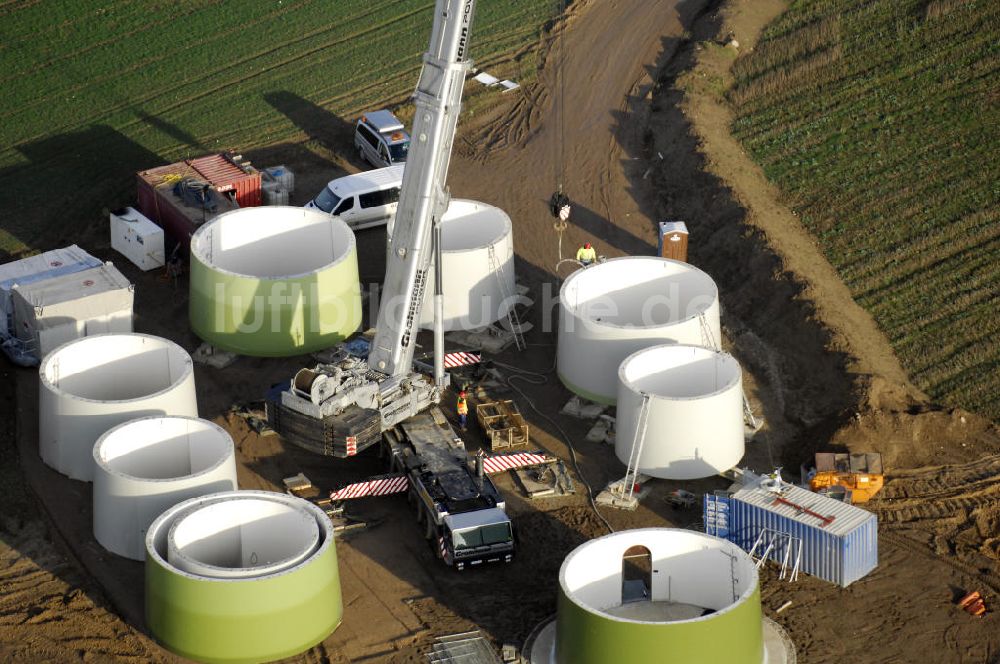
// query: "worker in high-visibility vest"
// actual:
[[462, 408], [586, 254]]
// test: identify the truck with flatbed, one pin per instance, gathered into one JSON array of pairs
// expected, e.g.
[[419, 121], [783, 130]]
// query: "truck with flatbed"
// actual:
[[459, 507]]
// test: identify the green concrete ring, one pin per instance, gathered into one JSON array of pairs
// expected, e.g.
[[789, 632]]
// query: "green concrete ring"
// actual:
[[248, 619]]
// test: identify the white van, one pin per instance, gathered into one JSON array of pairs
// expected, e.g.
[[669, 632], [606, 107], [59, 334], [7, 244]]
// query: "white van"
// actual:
[[362, 200]]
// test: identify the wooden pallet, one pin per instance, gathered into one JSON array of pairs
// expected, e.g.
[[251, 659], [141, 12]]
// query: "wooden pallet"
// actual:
[[503, 424]]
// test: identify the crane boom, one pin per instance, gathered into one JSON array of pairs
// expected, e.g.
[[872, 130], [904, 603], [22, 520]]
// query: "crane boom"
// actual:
[[342, 406], [424, 196]]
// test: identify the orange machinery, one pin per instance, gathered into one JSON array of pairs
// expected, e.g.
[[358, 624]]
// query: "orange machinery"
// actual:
[[853, 478]]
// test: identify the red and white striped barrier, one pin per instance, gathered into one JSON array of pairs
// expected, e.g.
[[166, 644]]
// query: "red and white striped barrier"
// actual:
[[351, 443], [501, 462], [443, 550], [385, 485], [376, 486], [460, 359]]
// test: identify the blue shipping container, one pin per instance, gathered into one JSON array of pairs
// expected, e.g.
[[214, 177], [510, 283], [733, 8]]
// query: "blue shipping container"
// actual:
[[841, 547]]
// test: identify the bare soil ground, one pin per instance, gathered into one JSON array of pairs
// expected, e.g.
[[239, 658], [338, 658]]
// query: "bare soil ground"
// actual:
[[633, 137]]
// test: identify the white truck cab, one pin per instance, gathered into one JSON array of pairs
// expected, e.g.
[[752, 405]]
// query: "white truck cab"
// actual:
[[474, 538], [381, 139], [362, 200]]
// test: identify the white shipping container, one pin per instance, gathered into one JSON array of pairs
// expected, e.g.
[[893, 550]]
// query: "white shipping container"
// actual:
[[50, 264], [52, 312], [137, 238]]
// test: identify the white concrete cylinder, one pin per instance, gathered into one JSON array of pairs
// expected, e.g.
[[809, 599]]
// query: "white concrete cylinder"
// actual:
[[242, 537], [91, 384], [610, 310], [695, 421], [146, 465], [475, 292]]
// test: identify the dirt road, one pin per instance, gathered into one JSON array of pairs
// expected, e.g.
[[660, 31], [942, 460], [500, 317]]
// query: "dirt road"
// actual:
[[574, 130]]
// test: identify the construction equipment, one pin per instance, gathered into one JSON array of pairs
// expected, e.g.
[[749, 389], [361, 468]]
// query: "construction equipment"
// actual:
[[852, 478], [383, 389], [352, 401], [681, 498], [460, 508], [503, 424]]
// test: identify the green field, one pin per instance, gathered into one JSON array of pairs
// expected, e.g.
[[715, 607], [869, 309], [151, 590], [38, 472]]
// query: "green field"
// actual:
[[880, 121], [94, 90]]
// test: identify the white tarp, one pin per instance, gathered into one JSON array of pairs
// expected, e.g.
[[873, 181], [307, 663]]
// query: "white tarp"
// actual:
[[486, 79], [51, 312], [37, 268]]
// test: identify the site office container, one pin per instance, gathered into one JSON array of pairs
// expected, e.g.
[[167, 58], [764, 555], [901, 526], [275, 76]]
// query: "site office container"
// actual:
[[224, 172], [841, 552]]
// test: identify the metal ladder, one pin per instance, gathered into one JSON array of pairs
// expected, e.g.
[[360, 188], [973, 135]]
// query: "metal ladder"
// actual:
[[512, 318], [706, 334], [748, 415], [416, 302], [709, 341], [772, 541], [637, 443]]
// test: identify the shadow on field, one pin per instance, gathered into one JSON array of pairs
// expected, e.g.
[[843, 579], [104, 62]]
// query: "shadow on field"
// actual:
[[771, 325], [319, 124], [57, 197], [607, 232]]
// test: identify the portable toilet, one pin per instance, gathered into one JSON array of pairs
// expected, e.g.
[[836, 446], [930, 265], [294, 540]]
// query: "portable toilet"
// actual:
[[673, 240]]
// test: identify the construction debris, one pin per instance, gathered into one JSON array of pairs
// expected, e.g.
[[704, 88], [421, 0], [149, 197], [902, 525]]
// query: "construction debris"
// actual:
[[255, 417], [583, 409], [208, 354], [681, 498], [300, 486], [548, 480], [603, 430], [463, 648], [973, 604]]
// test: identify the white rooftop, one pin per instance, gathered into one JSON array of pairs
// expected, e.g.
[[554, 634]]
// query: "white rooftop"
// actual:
[[846, 517]]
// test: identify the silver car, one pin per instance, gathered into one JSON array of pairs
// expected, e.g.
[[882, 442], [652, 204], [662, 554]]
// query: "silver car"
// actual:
[[381, 139]]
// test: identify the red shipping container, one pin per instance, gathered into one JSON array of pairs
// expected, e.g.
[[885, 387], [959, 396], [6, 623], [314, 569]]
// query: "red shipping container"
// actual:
[[178, 220]]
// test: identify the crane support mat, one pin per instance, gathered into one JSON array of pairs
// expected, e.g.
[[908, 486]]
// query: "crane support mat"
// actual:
[[339, 436]]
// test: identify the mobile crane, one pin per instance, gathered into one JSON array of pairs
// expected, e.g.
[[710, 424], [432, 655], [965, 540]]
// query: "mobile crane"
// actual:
[[344, 406]]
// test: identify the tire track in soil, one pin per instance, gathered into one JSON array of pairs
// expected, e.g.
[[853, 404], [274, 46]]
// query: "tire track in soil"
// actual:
[[943, 480], [46, 613], [980, 576], [940, 492]]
